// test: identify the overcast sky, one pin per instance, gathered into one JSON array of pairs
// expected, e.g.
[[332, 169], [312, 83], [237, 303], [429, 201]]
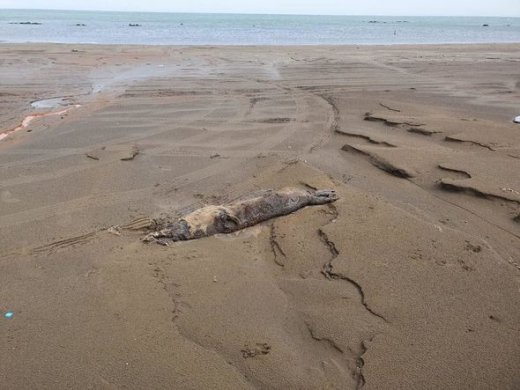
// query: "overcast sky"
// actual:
[[340, 7]]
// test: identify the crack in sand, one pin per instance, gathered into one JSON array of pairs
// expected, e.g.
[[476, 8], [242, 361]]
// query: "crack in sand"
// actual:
[[329, 273], [366, 138], [457, 186], [276, 248], [389, 108], [355, 356], [388, 122], [427, 132], [453, 138], [460, 171], [380, 162], [329, 341], [472, 213]]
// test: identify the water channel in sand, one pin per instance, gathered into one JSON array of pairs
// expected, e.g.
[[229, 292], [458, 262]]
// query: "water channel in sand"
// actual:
[[45, 103]]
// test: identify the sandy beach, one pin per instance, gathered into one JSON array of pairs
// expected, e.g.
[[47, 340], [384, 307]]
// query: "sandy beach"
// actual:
[[409, 281]]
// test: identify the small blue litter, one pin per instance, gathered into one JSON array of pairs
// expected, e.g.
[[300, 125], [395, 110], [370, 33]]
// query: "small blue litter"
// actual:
[[9, 314]]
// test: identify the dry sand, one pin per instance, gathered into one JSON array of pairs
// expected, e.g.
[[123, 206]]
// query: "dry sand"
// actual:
[[409, 281]]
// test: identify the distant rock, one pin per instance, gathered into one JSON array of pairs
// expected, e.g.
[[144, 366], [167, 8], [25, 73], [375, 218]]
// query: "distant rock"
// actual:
[[134, 25], [30, 23], [485, 25], [80, 25]]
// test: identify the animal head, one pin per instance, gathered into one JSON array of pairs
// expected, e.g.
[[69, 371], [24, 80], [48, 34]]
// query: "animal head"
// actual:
[[324, 196]]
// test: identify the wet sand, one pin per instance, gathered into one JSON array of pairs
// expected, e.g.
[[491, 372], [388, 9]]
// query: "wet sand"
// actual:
[[409, 281]]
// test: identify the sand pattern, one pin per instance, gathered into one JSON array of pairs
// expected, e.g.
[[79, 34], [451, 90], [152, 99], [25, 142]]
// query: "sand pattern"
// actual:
[[409, 280]]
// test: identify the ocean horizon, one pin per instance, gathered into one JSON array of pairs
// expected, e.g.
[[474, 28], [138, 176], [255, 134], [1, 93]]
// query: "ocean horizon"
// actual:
[[156, 28]]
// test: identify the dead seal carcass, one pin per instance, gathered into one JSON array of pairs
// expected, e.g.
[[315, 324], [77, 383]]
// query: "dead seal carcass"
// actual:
[[238, 215]]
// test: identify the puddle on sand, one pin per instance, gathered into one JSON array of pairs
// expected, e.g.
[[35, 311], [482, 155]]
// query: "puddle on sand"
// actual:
[[56, 102]]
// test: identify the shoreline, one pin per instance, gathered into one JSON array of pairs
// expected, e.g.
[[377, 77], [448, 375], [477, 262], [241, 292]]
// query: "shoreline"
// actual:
[[273, 46], [254, 14]]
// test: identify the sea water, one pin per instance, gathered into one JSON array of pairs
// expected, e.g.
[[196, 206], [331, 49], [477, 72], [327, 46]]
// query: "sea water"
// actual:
[[231, 29]]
